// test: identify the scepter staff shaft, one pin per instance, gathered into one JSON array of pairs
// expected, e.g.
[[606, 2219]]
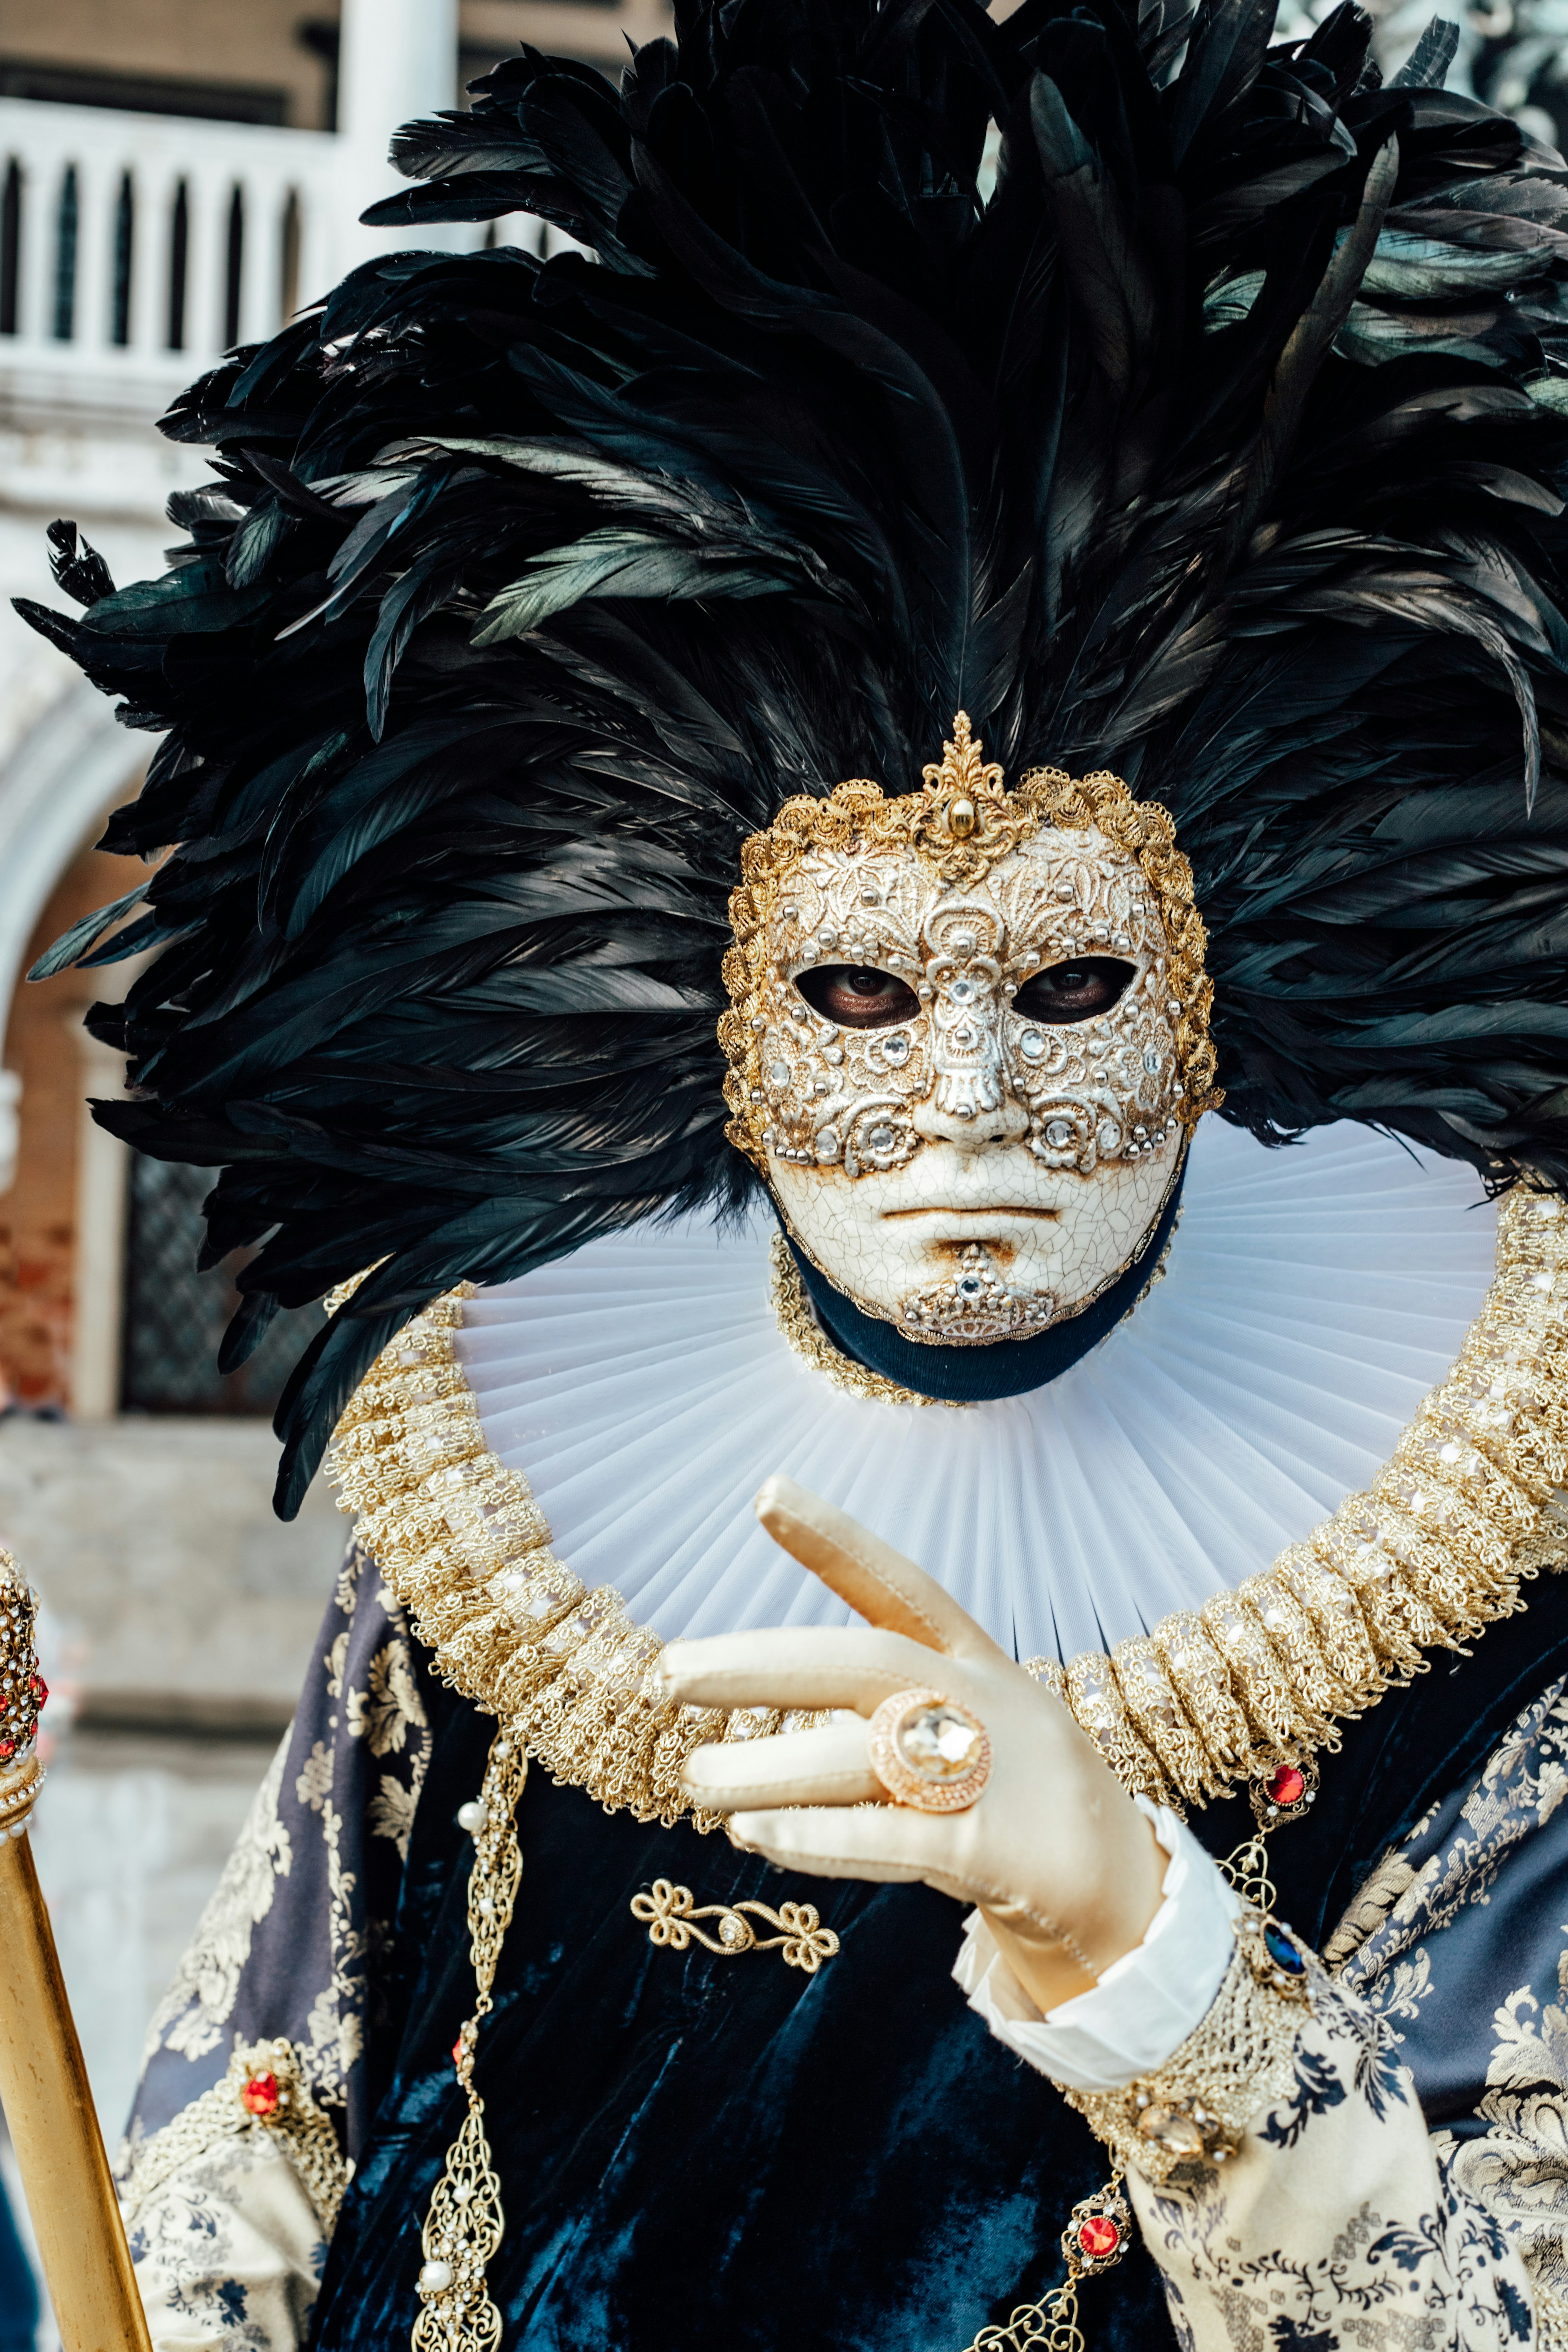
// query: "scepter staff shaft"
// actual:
[[44, 2088]]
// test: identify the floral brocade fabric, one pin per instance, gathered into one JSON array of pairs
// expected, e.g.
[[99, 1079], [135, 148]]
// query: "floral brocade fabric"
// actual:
[[296, 1942], [323, 1850]]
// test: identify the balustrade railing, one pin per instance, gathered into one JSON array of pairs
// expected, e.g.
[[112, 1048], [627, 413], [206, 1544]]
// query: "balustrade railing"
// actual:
[[143, 245]]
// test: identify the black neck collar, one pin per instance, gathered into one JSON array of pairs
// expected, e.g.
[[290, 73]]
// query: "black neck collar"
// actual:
[[1008, 1366]]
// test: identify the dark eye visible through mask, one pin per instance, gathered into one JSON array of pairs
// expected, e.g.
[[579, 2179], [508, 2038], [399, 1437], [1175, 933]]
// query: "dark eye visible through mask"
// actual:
[[1065, 992], [858, 997]]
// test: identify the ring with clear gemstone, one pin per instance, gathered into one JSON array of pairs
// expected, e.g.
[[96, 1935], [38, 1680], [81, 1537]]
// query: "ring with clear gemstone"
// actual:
[[929, 1752]]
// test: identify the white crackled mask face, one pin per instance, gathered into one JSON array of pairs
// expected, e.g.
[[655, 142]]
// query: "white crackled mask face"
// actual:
[[967, 1053]]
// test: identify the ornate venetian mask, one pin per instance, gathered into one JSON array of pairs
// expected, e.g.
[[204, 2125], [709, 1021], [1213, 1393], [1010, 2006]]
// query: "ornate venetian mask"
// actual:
[[969, 1034]]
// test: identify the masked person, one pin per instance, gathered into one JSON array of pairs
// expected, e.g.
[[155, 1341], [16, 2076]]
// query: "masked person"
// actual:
[[772, 819]]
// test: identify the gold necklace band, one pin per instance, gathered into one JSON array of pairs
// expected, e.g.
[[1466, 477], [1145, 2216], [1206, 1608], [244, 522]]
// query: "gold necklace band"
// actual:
[[1467, 1508]]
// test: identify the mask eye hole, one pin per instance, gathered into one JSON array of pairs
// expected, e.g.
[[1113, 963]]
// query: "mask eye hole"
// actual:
[[1076, 990], [858, 996]]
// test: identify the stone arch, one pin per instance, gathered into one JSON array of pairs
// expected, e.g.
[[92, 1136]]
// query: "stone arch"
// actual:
[[71, 766]]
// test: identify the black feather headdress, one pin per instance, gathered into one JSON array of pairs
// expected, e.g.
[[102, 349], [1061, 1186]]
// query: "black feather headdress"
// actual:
[[1168, 401]]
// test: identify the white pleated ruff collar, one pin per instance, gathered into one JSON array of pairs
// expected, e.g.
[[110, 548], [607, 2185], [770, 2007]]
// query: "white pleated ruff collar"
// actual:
[[1313, 1296]]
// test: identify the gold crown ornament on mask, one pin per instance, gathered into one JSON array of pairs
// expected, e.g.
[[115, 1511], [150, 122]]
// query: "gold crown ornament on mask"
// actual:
[[963, 890]]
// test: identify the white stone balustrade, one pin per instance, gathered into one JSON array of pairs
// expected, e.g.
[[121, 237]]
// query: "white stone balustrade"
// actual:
[[136, 247]]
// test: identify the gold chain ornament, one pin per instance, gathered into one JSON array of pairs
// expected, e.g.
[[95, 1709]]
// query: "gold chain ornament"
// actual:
[[1095, 2240], [464, 2225]]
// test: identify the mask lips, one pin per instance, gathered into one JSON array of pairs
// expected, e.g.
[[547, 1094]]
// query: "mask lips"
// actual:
[[1007, 1368]]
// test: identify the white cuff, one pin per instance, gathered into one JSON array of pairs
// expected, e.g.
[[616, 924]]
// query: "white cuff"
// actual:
[[1146, 2003]]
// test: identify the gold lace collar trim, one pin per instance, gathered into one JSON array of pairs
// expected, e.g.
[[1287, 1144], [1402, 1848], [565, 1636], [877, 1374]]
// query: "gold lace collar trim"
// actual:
[[1469, 1505]]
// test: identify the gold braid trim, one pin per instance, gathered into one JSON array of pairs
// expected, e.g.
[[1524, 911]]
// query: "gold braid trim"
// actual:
[[804, 1334], [264, 2091], [1551, 2318], [1468, 1507]]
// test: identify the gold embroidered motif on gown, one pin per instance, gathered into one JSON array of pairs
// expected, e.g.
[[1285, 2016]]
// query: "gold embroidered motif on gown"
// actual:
[[1466, 1509]]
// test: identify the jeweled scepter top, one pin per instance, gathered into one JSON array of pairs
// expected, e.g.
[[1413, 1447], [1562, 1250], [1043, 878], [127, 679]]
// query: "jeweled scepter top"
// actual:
[[23, 1691]]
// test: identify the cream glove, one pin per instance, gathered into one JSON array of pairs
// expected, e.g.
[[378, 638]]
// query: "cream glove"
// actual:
[[1054, 1852]]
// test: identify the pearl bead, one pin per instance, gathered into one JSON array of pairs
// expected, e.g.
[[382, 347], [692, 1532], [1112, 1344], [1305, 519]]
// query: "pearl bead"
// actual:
[[435, 2278], [473, 1816]]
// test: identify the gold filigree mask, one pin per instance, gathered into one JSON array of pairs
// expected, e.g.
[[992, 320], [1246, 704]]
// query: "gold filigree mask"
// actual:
[[969, 1031]]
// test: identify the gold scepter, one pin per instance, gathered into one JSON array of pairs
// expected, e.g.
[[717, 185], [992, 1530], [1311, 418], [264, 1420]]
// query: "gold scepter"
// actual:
[[43, 2081]]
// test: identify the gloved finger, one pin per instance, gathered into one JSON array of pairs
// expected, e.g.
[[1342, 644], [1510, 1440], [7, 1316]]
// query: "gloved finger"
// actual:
[[886, 1588], [795, 1768], [802, 1666], [884, 1842]]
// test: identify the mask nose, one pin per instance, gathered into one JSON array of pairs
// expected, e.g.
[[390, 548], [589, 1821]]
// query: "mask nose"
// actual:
[[969, 1102], [972, 1130]]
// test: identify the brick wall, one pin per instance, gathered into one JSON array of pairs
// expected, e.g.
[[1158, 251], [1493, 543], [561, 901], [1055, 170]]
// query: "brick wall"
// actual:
[[38, 1215]]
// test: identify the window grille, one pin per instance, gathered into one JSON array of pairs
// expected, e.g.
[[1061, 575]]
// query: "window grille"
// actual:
[[174, 1317]]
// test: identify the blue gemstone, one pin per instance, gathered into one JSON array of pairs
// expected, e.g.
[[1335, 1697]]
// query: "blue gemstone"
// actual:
[[1283, 1952]]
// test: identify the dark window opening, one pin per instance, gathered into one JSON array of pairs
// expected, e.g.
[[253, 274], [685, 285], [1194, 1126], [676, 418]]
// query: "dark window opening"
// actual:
[[321, 36], [214, 101], [175, 1318], [124, 238], [288, 259], [234, 269], [179, 246], [65, 258], [10, 247]]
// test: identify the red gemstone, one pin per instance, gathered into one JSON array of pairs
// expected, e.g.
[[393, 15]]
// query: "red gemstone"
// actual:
[[458, 2053], [8, 1750], [259, 2096], [39, 1688], [1288, 1786], [1099, 2236]]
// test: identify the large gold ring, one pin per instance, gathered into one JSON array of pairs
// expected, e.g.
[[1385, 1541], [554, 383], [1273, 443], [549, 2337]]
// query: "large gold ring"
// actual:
[[929, 1752]]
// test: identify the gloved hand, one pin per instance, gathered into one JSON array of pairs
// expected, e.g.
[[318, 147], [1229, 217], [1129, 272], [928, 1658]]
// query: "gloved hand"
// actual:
[[1063, 1865]]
